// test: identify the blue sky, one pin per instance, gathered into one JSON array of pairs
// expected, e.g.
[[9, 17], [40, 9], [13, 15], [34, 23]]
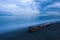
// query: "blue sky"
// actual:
[[30, 7]]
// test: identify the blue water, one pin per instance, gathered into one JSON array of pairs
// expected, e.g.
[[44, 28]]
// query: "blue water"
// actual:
[[12, 20], [8, 23]]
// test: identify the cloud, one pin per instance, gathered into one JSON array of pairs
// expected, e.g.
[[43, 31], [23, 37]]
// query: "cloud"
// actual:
[[26, 8], [29, 7], [12, 8], [52, 9], [56, 4]]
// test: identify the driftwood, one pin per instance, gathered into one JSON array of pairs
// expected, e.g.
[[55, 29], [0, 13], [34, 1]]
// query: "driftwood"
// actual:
[[39, 27]]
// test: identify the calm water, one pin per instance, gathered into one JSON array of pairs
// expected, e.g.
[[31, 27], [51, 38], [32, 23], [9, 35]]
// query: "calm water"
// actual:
[[14, 20]]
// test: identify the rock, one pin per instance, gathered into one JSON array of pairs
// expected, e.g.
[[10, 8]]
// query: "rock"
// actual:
[[39, 27]]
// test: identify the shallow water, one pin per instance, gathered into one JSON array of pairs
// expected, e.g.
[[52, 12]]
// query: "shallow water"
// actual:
[[20, 22]]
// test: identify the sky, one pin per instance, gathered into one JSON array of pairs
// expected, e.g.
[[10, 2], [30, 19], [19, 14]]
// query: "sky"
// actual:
[[29, 7]]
